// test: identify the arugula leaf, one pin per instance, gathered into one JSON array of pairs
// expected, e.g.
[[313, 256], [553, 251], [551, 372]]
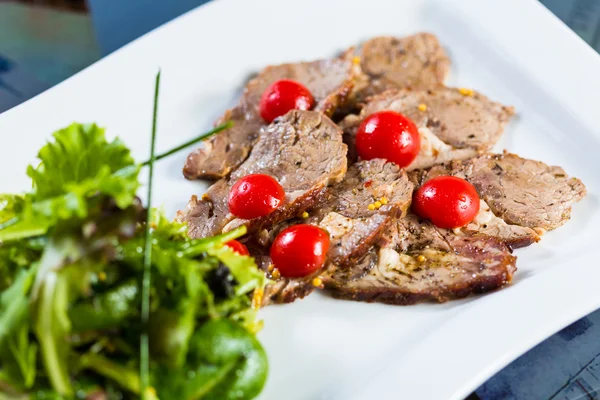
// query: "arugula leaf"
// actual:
[[20, 356], [17, 256], [15, 220], [197, 247], [35, 218], [14, 304], [243, 268], [10, 206], [17, 352], [175, 261], [167, 229], [126, 377]]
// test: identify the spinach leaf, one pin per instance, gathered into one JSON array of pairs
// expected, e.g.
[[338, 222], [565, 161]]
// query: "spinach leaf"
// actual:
[[106, 310], [225, 362]]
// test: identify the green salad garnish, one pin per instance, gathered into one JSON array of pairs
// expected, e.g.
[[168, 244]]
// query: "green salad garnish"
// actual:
[[72, 254]]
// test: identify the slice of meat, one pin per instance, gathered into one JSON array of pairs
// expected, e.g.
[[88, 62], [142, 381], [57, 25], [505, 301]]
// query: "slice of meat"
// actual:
[[282, 290], [330, 81], [453, 123], [521, 192], [486, 222], [226, 150], [353, 226], [416, 262], [302, 150], [345, 214], [416, 61]]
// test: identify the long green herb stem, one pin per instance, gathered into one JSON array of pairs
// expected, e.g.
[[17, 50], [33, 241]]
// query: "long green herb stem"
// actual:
[[146, 279], [200, 138]]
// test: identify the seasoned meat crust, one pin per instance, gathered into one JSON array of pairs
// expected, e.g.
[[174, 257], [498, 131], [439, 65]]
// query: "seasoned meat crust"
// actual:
[[417, 262], [330, 81], [453, 123], [417, 61], [521, 192], [486, 222], [379, 250], [344, 214], [302, 150], [520, 199]]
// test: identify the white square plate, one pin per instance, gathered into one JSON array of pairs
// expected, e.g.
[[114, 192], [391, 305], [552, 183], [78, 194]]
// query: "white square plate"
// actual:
[[514, 51]]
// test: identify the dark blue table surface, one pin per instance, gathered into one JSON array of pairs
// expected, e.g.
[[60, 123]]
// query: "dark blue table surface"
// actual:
[[565, 366]]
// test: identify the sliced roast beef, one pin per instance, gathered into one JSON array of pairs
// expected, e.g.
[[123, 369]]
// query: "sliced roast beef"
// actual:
[[357, 211], [417, 262], [416, 61], [281, 290], [454, 124], [302, 150], [330, 81], [522, 192], [345, 214], [486, 222], [226, 150]]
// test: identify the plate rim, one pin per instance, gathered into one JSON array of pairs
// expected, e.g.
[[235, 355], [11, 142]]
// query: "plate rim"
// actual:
[[586, 61]]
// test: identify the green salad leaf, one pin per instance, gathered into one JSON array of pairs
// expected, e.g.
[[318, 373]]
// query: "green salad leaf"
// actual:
[[21, 353], [126, 377], [107, 310], [52, 326], [73, 257], [14, 304], [76, 170], [81, 159], [10, 206], [223, 361]]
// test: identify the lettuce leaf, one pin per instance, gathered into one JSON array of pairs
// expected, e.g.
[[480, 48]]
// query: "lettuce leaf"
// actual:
[[80, 154], [71, 254], [10, 206], [79, 165]]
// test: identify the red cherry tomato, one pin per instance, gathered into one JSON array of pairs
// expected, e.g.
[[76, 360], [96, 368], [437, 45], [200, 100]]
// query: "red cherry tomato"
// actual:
[[283, 96], [449, 202], [300, 250], [238, 247], [254, 196], [389, 135]]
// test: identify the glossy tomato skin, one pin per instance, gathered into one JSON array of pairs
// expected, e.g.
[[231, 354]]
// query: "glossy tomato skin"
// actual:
[[389, 135], [449, 202], [254, 196], [283, 96], [300, 250], [238, 247]]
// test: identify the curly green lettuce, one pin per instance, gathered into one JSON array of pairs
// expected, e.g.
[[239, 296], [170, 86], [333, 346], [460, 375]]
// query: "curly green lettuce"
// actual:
[[74, 170], [71, 261]]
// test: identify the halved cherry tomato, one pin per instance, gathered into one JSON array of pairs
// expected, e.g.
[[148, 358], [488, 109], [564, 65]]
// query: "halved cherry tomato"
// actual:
[[389, 135], [238, 247], [254, 196], [449, 202], [300, 250], [283, 96]]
